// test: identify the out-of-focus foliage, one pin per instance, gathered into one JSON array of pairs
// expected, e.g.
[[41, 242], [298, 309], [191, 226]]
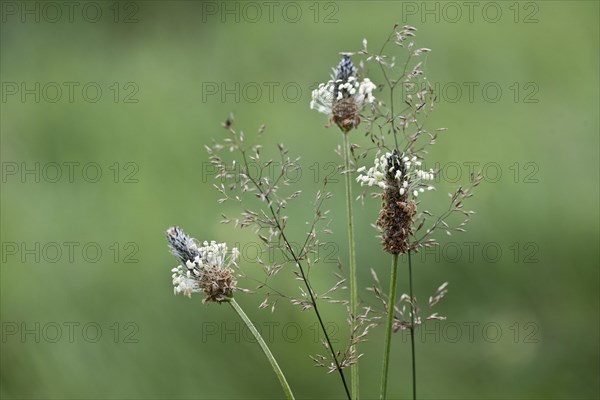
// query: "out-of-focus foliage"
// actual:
[[522, 305]]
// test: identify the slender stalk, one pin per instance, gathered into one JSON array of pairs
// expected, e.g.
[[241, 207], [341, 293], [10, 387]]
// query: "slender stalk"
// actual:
[[390, 323], [321, 323], [412, 329], [284, 385], [352, 261], [313, 300]]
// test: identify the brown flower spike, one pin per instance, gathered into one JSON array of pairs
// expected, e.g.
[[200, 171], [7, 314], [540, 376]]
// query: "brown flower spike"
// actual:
[[396, 220], [402, 180]]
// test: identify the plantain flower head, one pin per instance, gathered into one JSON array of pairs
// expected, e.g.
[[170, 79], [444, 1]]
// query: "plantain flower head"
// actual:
[[344, 96], [203, 268], [402, 180]]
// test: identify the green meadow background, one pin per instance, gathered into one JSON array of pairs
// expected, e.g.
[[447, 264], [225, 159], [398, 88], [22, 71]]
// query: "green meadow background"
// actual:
[[87, 308]]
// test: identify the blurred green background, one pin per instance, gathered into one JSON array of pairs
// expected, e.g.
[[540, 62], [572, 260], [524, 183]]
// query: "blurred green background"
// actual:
[[521, 324]]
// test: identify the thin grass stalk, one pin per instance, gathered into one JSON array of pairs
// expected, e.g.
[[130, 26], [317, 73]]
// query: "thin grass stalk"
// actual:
[[352, 263], [412, 329], [389, 327], [304, 277], [284, 384]]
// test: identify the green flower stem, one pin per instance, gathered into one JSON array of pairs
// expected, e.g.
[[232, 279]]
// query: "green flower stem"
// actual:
[[389, 327], [284, 385], [412, 329], [352, 261]]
